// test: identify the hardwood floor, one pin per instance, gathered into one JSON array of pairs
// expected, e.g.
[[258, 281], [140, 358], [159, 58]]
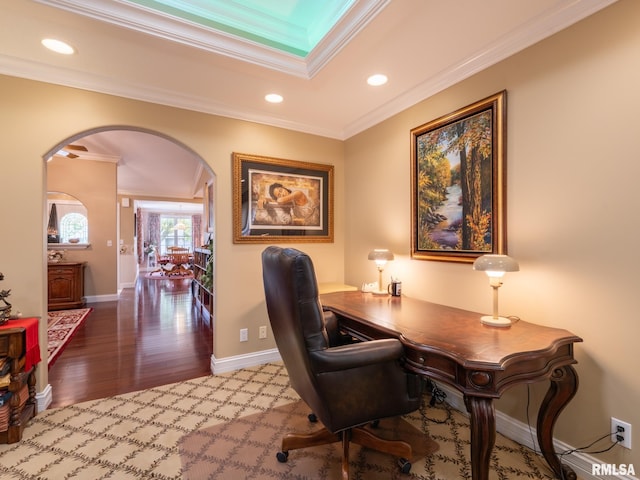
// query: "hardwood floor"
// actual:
[[154, 335]]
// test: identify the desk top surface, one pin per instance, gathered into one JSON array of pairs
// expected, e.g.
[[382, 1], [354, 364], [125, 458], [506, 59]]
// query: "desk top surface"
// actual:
[[447, 330]]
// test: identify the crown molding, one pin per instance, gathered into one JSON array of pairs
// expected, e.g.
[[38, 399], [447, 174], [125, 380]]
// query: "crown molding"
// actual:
[[526, 35], [139, 194], [159, 24], [509, 44], [356, 19], [96, 157]]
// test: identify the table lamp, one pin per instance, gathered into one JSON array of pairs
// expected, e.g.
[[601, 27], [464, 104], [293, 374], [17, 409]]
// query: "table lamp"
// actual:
[[495, 267], [381, 256]]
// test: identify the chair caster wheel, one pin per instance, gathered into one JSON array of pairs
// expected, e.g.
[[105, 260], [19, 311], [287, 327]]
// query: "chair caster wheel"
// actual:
[[405, 465], [312, 417], [282, 457]]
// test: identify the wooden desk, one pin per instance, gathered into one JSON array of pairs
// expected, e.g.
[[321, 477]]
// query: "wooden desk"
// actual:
[[451, 345]]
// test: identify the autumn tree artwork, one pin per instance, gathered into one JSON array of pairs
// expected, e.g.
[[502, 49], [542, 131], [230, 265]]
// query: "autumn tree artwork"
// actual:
[[458, 183]]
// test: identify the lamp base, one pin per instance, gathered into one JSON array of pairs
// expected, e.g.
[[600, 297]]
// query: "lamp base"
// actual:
[[495, 321], [380, 292]]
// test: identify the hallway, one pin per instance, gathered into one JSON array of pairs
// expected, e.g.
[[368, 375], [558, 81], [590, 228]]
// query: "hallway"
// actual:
[[152, 336]]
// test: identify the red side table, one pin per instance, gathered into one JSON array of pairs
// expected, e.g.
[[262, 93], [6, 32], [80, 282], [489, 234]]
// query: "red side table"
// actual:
[[19, 346]]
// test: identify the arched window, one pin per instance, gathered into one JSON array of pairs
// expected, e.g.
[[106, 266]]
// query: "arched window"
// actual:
[[74, 225]]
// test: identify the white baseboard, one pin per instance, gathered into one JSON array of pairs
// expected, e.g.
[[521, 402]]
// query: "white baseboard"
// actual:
[[44, 398], [236, 362], [525, 435], [112, 297]]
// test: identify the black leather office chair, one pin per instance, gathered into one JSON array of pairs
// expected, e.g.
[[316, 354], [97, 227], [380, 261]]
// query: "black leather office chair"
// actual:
[[346, 386]]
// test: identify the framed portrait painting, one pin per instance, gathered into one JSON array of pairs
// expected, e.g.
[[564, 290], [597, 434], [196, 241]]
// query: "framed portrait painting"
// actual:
[[458, 192], [276, 200]]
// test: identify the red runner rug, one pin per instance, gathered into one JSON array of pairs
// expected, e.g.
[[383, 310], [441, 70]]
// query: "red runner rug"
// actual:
[[61, 326]]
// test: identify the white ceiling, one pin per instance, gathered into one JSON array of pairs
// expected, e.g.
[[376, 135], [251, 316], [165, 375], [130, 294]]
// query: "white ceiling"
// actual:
[[147, 164], [424, 46]]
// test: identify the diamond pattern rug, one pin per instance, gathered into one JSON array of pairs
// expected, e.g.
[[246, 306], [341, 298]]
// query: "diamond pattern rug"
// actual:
[[61, 326], [246, 447], [141, 435]]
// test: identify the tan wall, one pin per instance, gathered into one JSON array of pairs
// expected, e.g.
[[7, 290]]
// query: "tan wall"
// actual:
[[572, 199], [38, 118], [573, 168], [94, 184], [127, 222]]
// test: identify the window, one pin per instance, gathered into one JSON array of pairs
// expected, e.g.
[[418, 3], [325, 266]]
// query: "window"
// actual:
[[74, 225], [175, 231], [68, 220]]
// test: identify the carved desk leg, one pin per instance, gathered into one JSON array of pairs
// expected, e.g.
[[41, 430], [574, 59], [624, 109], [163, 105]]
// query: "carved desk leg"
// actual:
[[483, 434], [562, 388]]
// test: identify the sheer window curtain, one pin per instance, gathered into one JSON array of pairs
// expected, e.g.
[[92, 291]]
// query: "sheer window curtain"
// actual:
[[140, 241], [196, 231], [154, 231]]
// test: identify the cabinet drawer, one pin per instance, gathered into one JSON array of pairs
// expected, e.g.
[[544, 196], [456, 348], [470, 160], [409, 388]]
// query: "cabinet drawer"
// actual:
[[62, 270]]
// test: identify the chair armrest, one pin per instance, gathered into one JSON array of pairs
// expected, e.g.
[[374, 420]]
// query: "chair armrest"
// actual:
[[356, 355]]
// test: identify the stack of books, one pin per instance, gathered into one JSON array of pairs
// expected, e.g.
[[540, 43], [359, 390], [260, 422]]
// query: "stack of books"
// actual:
[[23, 396], [5, 394]]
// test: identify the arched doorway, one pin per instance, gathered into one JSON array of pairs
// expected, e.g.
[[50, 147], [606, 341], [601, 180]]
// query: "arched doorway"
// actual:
[[133, 165]]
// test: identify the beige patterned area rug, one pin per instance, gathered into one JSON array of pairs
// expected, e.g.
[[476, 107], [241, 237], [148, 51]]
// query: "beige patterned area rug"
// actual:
[[141, 435], [246, 448]]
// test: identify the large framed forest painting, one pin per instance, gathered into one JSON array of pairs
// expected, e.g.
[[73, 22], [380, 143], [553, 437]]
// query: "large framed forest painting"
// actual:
[[458, 191]]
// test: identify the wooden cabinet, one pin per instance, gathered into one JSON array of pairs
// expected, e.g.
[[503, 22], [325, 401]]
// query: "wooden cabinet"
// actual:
[[202, 294], [65, 285], [19, 394]]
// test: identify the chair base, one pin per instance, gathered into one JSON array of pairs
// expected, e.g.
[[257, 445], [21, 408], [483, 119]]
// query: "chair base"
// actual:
[[358, 435]]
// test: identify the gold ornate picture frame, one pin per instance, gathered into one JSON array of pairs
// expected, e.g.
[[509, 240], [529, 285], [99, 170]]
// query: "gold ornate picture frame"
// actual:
[[458, 183], [278, 201]]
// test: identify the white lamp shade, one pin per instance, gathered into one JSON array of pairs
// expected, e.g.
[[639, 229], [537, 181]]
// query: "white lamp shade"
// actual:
[[495, 265], [380, 255]]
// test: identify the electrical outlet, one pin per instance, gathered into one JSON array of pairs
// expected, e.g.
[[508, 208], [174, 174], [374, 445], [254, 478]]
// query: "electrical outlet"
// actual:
[[262, 332], [621, 432], [244, 335]]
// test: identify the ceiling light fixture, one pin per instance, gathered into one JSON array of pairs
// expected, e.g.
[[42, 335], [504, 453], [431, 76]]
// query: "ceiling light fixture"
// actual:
[[377, 80], [179, 226], [273, 98], [58, 46]]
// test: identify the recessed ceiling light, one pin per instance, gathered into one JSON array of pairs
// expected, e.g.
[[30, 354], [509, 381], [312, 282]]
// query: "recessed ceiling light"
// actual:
[[273, 98], [58, 46], [377, 80]]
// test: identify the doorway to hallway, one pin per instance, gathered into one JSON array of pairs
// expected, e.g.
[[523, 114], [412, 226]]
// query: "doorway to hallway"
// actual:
[[153, 335]]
